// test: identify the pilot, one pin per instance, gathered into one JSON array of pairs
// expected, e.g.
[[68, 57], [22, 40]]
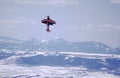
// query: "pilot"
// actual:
[[48, 17]]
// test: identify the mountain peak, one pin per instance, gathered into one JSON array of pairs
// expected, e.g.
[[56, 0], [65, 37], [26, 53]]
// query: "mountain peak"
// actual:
[[57, 39], [56, 44]]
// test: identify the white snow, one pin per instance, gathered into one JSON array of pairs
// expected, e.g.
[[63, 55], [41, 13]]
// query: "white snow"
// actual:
[[90, 55], [51, 72], [11, 70]]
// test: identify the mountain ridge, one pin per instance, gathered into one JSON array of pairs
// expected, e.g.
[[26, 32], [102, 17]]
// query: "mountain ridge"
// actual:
[[56, 45]]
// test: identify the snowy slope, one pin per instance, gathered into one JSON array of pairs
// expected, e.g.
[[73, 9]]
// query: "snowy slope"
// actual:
[[13, 71], [23, 64]]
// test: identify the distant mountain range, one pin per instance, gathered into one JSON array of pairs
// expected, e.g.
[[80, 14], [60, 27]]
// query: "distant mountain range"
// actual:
[[56, 45]]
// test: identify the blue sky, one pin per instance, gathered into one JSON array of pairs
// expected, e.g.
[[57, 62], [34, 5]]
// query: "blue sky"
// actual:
[[77, 20]]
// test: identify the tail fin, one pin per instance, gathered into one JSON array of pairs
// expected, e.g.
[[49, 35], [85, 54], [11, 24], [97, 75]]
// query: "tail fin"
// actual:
[[48, 30]]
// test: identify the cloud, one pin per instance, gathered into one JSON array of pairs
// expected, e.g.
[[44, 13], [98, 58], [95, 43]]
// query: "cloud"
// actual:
[[105, 27], [49, 2], [115, 1], [20, 20], [44, 2], [10, 9], [92, 28]]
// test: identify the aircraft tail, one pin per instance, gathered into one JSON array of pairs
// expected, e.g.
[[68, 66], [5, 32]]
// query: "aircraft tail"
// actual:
[[48, 30]]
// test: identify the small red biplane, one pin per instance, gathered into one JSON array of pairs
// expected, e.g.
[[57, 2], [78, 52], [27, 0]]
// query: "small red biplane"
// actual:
[[48, 22]]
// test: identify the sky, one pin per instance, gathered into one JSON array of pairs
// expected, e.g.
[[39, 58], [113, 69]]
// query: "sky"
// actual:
[[76, 20]]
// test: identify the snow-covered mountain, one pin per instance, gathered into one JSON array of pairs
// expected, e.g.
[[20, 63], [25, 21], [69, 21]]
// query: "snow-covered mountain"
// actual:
[[56, 45], [57, 58], [117, 50], [24, 64]]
